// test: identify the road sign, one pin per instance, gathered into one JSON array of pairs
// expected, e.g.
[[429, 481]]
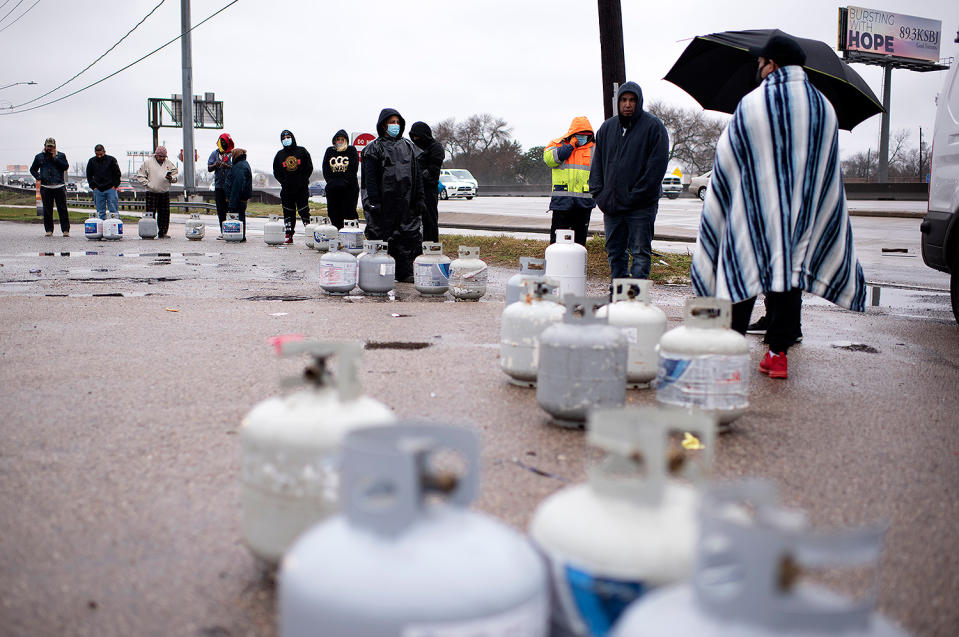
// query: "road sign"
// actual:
[[196, 155], [360, 140]]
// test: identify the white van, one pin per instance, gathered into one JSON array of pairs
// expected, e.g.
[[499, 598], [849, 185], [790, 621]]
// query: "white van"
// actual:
[[940, 228]]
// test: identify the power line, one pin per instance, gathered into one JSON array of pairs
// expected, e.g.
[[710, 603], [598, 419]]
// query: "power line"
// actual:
[[11, 10], [117, 72], [40, 97], [20, 16], [4, 4]]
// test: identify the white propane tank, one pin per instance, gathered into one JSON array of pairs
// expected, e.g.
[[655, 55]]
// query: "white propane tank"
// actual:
[[529, 268], [233, 228], [195, 228], [322, 233], [290, 468], [377, 269], [643, 324], [468, 274], [520, 327], [744, 582], [703, 364], [431, 270], [147, 227], [309, 230], [632, 527], [407, 558], [351, 237], [274, 231], [582, 363], [338, 270], [93, 227], [113, 227], [566, 262]]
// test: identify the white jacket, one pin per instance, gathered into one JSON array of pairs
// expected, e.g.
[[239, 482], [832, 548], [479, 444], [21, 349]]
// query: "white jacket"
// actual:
[[152, 174]]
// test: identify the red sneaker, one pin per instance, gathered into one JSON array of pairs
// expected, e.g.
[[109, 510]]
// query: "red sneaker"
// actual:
[[774, 365], [289, 237]]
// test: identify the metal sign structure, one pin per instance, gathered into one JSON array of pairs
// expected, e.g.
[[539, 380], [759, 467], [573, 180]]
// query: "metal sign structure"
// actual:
[[167, 112]]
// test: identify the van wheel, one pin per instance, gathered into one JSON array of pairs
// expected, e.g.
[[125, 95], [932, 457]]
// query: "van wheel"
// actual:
[[443, 195], [468, 198], [702, 193]]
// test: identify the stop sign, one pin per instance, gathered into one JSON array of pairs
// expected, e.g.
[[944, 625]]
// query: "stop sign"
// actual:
[[360, 140]]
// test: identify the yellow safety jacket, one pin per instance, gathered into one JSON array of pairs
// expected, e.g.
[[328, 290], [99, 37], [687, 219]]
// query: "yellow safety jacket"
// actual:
[[571, 177]]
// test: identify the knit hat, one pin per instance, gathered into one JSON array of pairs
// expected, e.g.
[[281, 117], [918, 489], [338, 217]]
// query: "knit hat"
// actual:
[[50, 142], [161, 150]]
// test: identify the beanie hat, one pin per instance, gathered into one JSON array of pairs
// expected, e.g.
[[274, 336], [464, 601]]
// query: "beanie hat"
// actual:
[[161, 150]]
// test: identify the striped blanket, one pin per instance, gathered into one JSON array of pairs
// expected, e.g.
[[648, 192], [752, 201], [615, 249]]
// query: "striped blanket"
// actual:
[[775, 214]]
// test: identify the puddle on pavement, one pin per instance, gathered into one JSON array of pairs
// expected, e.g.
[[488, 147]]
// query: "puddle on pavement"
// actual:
[[402, 345], [855, 347], [276, 297], [899, 298], [107, 294], [131, 255]]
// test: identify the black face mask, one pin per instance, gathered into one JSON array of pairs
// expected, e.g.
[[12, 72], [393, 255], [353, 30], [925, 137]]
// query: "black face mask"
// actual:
[[759, 76]]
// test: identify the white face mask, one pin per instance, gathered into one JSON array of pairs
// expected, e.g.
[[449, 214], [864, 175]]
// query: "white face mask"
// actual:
[[340, 146]]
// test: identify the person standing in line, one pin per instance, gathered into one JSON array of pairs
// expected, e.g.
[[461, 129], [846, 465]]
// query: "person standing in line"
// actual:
[[430, 163], [775, 217], [157, 173], [103, 175], [220, 163], [239, 186], [626, 180], [569, 157], [293, 168], [48, 168], [341, 163], [392, 193]]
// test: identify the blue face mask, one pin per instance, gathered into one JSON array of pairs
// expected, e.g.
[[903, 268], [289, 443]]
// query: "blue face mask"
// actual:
[[581, 139], [286, 141], [393, 129]]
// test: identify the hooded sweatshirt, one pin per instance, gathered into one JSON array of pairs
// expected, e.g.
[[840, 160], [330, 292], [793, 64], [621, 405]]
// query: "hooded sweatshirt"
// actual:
[[433, 155], [629, 162], [292, 165], [220, 162], [340, 167], [239, 183]]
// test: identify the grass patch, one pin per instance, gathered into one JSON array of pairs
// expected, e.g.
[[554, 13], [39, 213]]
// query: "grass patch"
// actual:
[[29, 215], [266, 209], [11, 198]]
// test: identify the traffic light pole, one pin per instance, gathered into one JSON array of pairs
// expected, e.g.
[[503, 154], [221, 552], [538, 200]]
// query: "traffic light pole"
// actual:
[[186, 48]]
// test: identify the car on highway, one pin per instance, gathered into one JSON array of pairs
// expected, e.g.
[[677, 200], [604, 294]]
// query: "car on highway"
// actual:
[[126, 191], [12, 180], [318, 189], [457, 183], [700, 184], [672, 186], [28, 182]]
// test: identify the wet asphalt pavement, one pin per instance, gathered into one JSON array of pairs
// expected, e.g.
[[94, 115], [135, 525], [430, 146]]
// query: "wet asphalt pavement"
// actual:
[[126, 377]]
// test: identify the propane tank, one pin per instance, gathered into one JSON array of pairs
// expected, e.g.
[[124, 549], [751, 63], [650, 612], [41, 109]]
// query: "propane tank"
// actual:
[[351, 237], [431, 270], [93, 227], [274, 231], [407, 558], [195, 228], [582, 363], [290, 468], [322, 233], [520, 328], [632, 527], [529, 268], [745, 578], [308, 231], [468, 274], [377, 269], [703, 364], [566, 262], [643, 324], [233, 228], [113, 227], [147, 227], [337, 270]]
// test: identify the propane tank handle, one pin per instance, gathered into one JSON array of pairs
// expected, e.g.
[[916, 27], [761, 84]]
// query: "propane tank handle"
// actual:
[[582, 309], [468, 252], [707, 312], [541, 288], [386, 475], [347, 356], [431, 247], [630, 289], [324, 221], [351, 223], [528, 265]]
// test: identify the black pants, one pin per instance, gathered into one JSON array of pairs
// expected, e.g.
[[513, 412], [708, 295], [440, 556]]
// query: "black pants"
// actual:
[[295, 201], [340, 205], [240, 211], [431, 216], [49, 196], [782, 312], [222, 203], [576, 220], [159, 204]]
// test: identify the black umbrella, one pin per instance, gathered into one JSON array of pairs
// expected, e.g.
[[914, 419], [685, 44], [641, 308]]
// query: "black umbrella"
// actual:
[[718, 70]]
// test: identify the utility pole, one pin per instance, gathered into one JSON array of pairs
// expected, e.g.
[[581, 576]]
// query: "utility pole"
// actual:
[[611, 54], [187, 63], [884, 126], [920, 153]]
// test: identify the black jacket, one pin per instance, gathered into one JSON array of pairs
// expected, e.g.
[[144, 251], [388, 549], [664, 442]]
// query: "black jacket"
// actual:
[[629, 162], [340, 168], [293, 166], [432, 158], [239, 183], [48, 169], [103, 173]]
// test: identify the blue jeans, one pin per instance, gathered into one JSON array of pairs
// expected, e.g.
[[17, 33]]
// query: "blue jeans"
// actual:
[[103, 199], [630, 234]]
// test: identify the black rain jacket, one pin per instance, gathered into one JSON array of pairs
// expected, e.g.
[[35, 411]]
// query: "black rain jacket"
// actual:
[[433, 156]]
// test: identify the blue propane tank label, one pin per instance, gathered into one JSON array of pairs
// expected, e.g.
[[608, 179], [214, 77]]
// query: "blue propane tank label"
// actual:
[[120, 228], [232, 226], [710, 381], [90, 227], [432, 274], [599, 601]]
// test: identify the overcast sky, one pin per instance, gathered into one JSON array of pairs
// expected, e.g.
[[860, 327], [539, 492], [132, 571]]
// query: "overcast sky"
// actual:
[[315, 66]]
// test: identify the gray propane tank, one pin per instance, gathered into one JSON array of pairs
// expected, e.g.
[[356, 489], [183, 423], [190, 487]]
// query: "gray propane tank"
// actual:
[[744, 582], [520, 328], [113, 227], [431, 270], [643, 324], [93, 227], [233, 228], [309, 230], [147, 227], [290, 447], [322, 233], [703, 364], [468, 275], [351, 237], [632, 527], [399, 563], [377, 269], [195, 228], [582, 363], [274, 231], [338, 271], [529, 268]]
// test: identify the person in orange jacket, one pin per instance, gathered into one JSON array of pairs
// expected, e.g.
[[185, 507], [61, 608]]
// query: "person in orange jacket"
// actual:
[[569, 157]]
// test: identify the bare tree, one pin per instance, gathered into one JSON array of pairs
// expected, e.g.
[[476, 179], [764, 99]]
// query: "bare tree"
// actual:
[[692, 135]]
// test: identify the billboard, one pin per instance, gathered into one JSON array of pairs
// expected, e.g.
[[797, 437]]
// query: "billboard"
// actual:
[[889, 34]]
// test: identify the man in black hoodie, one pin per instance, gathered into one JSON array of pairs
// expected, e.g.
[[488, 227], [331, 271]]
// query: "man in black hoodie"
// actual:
[[625, 179], [340, 165], [293, 167], [430, 163], [392, 192]]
